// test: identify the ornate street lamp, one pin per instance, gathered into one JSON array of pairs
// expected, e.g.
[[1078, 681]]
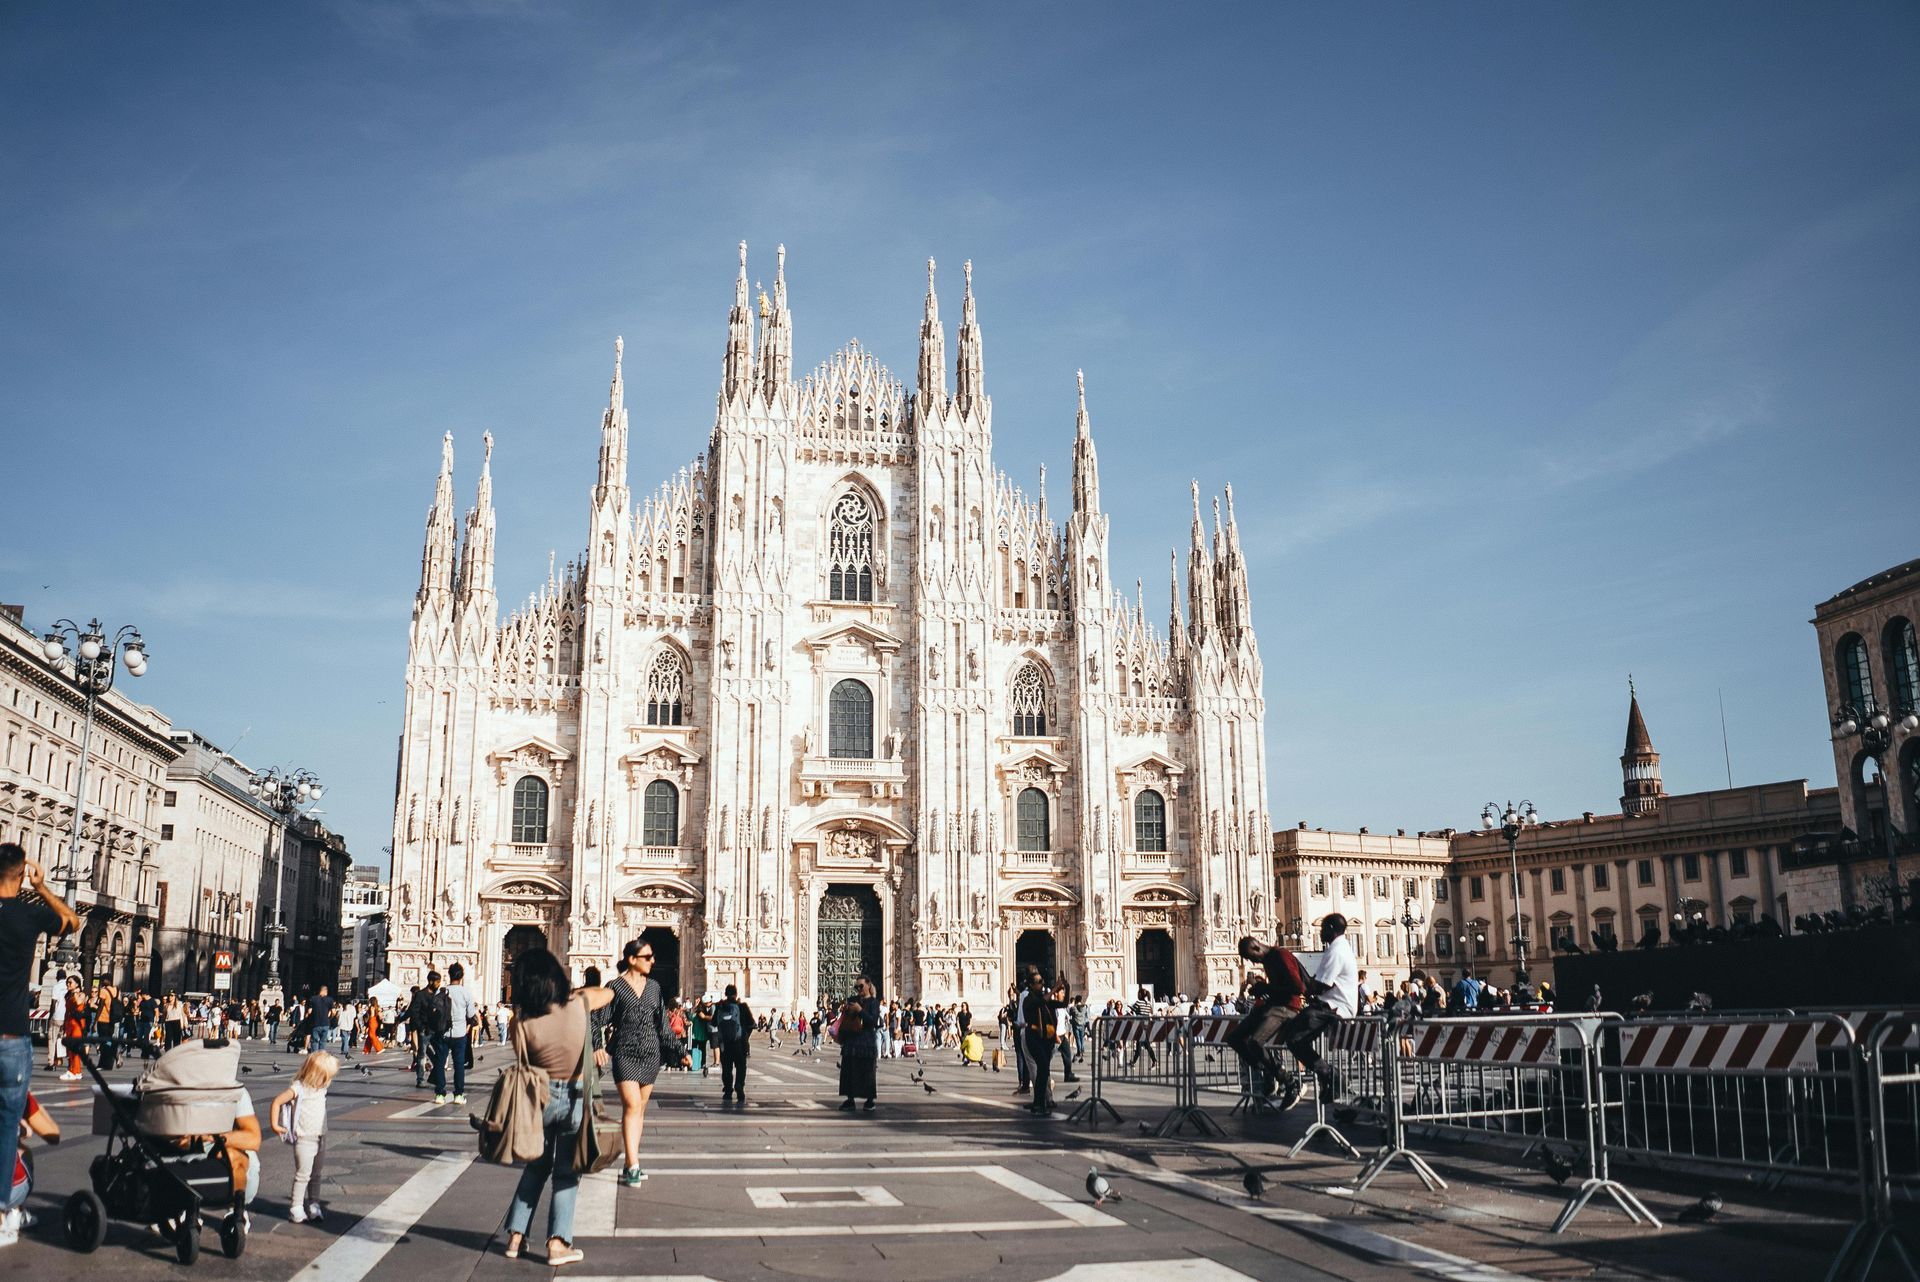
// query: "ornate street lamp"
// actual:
[[90, 663], [1875, 726], [287, 795], [1411, 922], [1512, 821], [1470, 944]]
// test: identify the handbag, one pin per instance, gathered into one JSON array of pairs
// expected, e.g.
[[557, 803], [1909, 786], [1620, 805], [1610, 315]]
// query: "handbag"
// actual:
[[598, 1139], [513, 1130]]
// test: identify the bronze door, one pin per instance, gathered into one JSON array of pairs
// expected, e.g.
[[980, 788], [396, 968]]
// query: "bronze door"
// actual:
[[849, 940]]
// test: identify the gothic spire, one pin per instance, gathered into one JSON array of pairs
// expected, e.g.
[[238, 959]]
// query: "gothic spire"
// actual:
[[437, 557], [1237, 608], [1045, 523], [612, 480], [776, 341], [738, 366], [1199, 576], [1176, 626], [933, 347], [968, 389], [476, 549], [1086, 466], [1642, 791]]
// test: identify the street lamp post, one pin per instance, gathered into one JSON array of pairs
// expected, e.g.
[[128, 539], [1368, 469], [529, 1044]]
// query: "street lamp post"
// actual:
[[1513, 820], [1469, 944], [1411, 921], [1875, 726], [285, 794], [91, 663]]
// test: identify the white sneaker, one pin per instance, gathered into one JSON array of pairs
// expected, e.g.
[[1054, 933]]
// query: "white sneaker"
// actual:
[[69, 1077], [9, 1227], [297, 1215], [459, 1099], [439, 1099]]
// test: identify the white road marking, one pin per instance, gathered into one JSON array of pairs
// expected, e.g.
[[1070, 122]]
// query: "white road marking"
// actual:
[[1059, 1203], [593, 1212], [428, 1110], [775, 1199], [354, 1256], [854, 1230], [1188, 1270]]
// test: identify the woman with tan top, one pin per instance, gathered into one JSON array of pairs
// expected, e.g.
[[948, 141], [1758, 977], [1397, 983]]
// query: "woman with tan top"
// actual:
[[550, 1032]]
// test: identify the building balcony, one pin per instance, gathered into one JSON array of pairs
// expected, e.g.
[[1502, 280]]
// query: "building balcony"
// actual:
[[1153, 863], [634, 858], [1034, 862], [517, 854], [875, 776]]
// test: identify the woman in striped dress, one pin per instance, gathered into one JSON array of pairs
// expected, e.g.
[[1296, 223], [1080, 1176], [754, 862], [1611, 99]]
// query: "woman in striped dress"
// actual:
[[639, 1043]]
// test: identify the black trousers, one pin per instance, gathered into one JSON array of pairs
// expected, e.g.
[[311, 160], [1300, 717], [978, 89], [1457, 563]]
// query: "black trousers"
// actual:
[[1041, 1050], [733, 1068], [1296, 1031]]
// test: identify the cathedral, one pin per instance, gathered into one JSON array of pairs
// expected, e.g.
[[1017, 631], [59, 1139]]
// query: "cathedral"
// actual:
[[837, 698]]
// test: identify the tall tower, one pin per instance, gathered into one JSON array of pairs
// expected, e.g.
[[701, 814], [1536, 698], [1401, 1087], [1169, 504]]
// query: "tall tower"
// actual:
[[1639, 764]]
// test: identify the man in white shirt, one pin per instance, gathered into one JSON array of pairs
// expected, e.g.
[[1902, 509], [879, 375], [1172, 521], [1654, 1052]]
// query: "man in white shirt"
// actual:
[[1334, 995]]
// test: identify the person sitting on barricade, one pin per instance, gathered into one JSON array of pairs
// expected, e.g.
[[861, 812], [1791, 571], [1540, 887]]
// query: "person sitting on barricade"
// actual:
[[1296, 1008]]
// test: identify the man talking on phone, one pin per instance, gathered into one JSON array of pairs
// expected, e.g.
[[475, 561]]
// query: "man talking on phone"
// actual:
[[28, 910]]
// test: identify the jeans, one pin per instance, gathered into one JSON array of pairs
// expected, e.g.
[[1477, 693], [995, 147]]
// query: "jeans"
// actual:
[[442, 1045], [565, 1109], [1041, 1048], [16, 1072], [733, 1068]]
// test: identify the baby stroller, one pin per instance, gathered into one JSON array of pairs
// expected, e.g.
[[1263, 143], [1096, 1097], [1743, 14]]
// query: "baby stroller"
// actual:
[[159, 1168]]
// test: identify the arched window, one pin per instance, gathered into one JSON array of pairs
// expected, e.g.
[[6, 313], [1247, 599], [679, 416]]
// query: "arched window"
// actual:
[[666, 684], [660, 815], [850, 550], [1856, 679], [850, 720], [1030, 701], [1032, 807], [1150, 821], [1903, 664], [530, 812]]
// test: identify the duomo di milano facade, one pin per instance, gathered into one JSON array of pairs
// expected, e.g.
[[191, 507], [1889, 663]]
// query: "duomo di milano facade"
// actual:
[[837, 698]]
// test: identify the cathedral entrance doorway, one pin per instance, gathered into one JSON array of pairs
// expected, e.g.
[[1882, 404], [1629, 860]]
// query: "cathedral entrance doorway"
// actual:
[[519, 939], [1034, 950], [849, 940], [666, 959], [1153, 962]]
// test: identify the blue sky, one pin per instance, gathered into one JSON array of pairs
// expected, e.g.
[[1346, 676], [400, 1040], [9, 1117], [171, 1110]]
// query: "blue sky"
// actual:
[[1542, 344]]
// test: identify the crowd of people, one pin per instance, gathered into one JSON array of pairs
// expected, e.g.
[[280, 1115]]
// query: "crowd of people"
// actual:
[[568, 1033]]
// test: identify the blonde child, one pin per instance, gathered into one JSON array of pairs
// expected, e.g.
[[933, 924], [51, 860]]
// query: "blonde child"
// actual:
[[300, 1118]]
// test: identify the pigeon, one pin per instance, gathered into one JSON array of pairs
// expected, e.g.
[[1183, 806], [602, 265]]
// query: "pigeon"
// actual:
[[1074, 1093], [1255, 1184], [363, 1070], [919, 1076], [246, 1068], [1098, 1188], [1554, 1165], [1702, 1211], [928, 1088]]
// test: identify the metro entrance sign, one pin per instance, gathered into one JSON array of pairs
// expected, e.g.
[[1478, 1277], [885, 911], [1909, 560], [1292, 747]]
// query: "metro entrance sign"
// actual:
[[222, 971]]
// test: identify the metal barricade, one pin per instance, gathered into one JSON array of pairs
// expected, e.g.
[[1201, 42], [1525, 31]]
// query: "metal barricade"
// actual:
[[1133, 1051], [1530, 1077], [1356, 1050], [1769, 1093], [1888, 1054]]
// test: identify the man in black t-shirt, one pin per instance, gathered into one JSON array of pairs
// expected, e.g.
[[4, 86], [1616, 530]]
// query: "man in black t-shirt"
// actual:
[[28, 910]]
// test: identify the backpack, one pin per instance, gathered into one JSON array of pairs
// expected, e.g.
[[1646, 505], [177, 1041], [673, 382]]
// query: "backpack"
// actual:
[[513, 1129], [436, 1013], [726, 1023]]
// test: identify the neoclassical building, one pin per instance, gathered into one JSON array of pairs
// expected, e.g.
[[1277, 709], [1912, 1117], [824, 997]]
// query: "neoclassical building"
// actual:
[[838, 697]]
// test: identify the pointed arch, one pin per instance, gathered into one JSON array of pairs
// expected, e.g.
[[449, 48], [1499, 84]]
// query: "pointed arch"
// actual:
[[669, 684], [1030, 699], [855, 540]]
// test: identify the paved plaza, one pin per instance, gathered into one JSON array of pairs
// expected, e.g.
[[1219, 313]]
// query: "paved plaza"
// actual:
[[958, 1182]]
